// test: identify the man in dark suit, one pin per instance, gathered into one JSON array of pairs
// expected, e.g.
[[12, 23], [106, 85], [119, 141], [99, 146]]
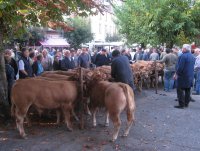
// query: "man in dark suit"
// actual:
[[184, 76], [121, 69], [67, 62], [102, 58], [11, 61]]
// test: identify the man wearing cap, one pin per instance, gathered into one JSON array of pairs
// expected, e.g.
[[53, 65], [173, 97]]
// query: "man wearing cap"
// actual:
[[121, 69], [184, 76]]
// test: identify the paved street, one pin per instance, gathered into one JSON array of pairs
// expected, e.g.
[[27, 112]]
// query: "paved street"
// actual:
[[159, 127]]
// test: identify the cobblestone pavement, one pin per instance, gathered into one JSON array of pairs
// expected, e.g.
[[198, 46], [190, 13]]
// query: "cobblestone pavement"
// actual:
[[158, 127]]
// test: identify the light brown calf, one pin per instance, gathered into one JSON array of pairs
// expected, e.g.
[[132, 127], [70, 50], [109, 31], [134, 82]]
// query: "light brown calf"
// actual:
[[115, 97]]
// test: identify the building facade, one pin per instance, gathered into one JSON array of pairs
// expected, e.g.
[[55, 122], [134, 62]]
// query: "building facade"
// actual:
[[103, 24]]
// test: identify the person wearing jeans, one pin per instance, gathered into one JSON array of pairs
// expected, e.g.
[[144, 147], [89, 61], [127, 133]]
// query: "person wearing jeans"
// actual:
[[170, 61], [198, 83], [197, 72], [168, 80]]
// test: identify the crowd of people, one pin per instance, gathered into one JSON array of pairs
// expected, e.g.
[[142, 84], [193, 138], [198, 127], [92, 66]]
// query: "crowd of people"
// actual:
[[182, 66]]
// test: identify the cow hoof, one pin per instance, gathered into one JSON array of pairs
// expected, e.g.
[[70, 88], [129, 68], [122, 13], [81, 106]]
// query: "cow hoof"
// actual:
[[77, 119], [89, 113], [113, 140], [70, 129], [107, 124], [125, 135], [24, 136]]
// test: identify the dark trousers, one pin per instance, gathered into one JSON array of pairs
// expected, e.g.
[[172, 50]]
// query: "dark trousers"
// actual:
[[183, 96], [131, 84]]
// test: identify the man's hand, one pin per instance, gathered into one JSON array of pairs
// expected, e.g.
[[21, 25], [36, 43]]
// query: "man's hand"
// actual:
[[175, 77]]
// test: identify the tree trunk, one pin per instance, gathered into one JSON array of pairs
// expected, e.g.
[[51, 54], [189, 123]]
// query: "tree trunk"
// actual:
[[3, 80]]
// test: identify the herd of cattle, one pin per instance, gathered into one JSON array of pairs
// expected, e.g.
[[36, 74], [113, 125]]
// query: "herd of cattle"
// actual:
[[60, 91]]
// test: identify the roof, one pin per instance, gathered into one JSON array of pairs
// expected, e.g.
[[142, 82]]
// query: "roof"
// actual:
[[55, 42]]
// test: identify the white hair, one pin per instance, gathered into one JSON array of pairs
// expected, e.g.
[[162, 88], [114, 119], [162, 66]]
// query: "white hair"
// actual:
[[66, 52], [187, 47], [146, 50]]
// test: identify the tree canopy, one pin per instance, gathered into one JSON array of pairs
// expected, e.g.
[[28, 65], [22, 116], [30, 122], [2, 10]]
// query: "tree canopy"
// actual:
[[81, 33], [156, 22], [113, 38], [15, 15]]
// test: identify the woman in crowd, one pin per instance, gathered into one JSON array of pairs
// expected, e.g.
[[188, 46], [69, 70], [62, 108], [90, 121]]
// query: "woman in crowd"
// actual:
[[37, 66], [56, 63]]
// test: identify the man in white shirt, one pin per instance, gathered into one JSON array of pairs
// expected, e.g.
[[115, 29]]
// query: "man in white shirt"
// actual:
[[25, 69]]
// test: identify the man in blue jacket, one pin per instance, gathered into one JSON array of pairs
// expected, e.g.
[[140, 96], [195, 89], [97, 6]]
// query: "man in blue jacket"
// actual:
[[184, 76], [121, 70]]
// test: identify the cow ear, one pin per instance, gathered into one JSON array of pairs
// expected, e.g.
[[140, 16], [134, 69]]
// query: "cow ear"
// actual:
[[104, 76], [89, 75]]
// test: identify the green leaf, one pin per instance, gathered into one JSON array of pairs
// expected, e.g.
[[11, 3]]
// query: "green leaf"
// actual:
[[23, 11]]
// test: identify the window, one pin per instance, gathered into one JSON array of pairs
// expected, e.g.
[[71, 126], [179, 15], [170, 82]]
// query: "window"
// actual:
[[105, 29], [99, 28]]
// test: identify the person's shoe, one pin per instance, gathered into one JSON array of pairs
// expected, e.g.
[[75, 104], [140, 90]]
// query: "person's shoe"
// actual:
[[179, 107], [186, 105], [192, 100], [175, 99], [195, 94]]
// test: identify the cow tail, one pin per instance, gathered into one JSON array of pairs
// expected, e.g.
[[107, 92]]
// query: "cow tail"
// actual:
[[128, 101]]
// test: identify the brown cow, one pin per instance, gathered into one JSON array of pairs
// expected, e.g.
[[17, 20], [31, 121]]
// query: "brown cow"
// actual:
[[66, 73], [57, 76], [58, 112], [44, 95], [115, 97]]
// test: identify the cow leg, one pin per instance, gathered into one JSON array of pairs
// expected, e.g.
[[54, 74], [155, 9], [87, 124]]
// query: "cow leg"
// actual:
[[58, 115], [66, 112], [28, 121], [88, 110], [162, 77], [20, 115], [87, 107], [74, 115], [107, 119], [115, 117], [94, 111], [130, 120]]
